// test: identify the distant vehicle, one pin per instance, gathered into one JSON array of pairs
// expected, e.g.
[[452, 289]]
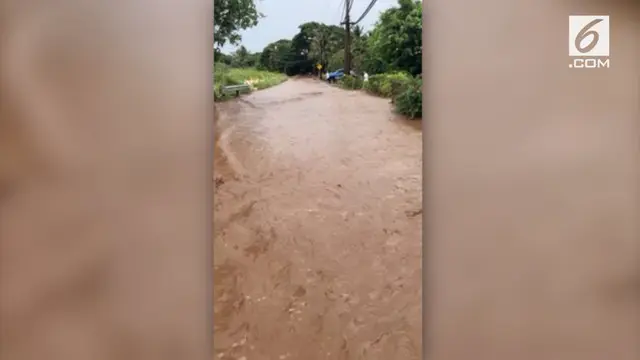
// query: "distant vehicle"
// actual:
[[335, 76]]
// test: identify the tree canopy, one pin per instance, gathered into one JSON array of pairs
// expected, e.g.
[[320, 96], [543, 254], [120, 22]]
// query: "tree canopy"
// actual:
[[396, 40], [393, 44], [230, 17], [391, 51]]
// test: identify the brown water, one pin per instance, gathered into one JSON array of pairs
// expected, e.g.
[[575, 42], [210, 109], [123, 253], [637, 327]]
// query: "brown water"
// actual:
[[317, 226]]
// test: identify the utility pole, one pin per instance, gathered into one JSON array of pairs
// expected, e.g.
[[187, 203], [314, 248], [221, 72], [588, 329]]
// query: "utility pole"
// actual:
[[347, 26], [347, 37]]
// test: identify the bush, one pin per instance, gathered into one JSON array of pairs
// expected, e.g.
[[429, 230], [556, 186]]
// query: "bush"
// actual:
[[373, 84], [409, 101], [388, 85], [217, 93], [350, 82]]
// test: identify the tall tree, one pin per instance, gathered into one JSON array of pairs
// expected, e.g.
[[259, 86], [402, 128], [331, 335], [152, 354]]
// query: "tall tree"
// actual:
[[277, 56], [396, 40], [315, 43], [230, 17], [301, 42], [323, 44], [301, 47], [358, 48]]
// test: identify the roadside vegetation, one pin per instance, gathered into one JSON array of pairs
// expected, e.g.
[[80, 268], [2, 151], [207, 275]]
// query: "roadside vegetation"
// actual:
[[390, 53], [255, 79], [230, 18]]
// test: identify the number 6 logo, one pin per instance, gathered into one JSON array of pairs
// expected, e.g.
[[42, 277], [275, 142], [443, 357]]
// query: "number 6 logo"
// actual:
[[584, 33], [588, 35]]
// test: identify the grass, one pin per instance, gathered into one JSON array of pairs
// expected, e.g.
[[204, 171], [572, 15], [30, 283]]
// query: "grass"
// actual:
[[256, 79]]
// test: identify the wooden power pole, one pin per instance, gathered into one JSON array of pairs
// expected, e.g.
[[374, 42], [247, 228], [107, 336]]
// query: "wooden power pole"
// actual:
[[347, 27], [347, 37]]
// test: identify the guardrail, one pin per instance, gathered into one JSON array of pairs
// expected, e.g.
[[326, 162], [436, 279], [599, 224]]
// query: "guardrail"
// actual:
[[237, 89]]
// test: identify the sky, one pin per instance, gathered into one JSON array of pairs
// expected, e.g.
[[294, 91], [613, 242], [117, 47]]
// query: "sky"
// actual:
[[282, 19]]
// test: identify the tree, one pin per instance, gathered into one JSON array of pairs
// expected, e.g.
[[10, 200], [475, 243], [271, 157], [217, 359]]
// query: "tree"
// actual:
[[220, 57], [396, 41], [253, 60], [358, 48], [314, 43], [230, 17], [301, 42], [277, 56], [357, 31], [240, 57], [301, 48], [323, 44]]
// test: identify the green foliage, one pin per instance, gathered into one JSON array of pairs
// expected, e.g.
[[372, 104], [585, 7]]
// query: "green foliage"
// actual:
[[336, 61], [225, 75], [373, 64], [301, 42], [387, 85], [277, 56], [395, 44], [253, 60], [301, 60], [350, 82], [326, 40], [404, 90], [220, 57], [358, 49], [313, 44], [241, 58], [220, 74], [232, 16], [391, 53], [260, 79], [409, 101]]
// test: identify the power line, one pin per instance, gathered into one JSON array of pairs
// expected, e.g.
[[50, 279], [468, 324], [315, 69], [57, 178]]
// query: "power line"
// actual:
[[340, 12], [351, 4], [346, 10], [366, 11]]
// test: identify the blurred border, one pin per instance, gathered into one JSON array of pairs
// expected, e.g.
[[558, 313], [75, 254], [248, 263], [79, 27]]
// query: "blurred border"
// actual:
[[588, 118]]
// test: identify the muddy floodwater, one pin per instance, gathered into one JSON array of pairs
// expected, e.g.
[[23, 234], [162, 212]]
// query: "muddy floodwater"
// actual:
[[317, 226]]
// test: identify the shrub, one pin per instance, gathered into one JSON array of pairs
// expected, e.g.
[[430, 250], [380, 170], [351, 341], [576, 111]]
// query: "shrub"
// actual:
[[373, 84], [217, 93], [409, 101], [350, 82], [388, 85], [397, 82]]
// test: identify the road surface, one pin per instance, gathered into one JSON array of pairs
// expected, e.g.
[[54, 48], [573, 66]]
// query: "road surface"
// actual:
[[317, 226]]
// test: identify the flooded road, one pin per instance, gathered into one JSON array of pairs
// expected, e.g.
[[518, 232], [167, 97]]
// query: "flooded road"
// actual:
[[317, 226]]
